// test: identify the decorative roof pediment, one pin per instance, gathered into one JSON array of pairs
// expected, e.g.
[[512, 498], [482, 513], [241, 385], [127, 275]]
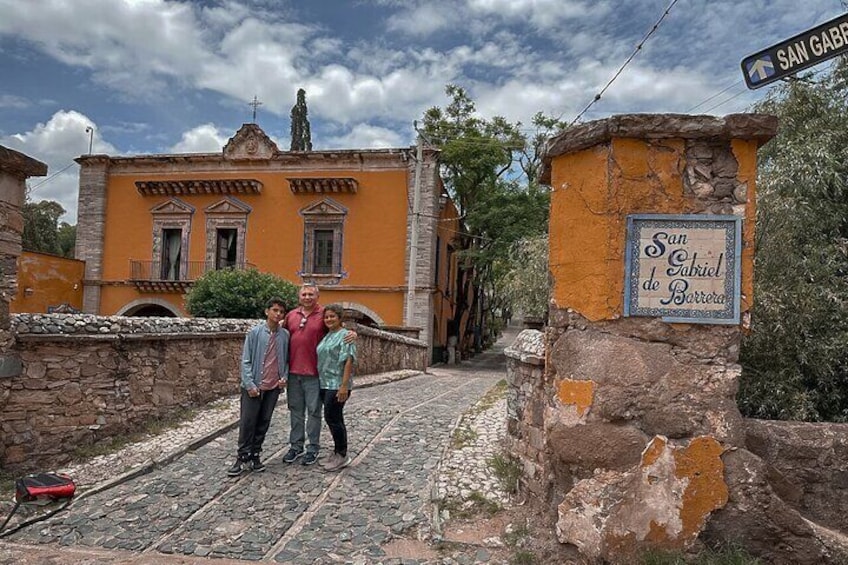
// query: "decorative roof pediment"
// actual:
[[198, 186], [250, 142], [172, 207], [324, 184], [325, 207], [229, 206]]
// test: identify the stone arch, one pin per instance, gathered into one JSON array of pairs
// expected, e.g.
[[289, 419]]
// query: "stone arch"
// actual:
[[132, 308], [365, 311]]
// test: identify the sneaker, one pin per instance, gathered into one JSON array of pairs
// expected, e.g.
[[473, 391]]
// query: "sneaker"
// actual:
[[331, 461], [310, 458], [341, 463], [292, 455], [237, 469], [256, 465]]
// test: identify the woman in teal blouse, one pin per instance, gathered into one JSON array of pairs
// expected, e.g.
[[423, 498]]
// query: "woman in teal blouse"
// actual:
[[335, 369]]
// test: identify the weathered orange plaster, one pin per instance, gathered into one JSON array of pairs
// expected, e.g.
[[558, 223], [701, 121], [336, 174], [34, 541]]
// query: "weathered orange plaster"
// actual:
[[47, 280], [701, 465], [593, 192], [745, 152], [576, 393], [653, 451], [657, 533]]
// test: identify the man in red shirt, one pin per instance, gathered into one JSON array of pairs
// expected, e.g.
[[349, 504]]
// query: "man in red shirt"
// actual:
[[306, 328]]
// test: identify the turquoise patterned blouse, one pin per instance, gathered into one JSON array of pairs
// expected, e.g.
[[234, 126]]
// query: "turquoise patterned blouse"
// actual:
[[332, 354]]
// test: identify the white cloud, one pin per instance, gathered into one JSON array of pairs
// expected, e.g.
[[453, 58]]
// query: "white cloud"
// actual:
[[422, 20], [366, 136], [203, 139], [130, 45], [11, 101], [541, 14], [56, 143]]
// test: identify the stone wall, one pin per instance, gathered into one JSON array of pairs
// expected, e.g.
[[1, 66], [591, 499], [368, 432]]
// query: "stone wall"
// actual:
[[808, 466], [799, 468], [89, 378], [526, 406], [15, 169], [379, 351]]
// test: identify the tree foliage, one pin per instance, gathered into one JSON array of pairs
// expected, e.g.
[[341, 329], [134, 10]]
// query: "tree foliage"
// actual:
[[232, 293], [42, 230], [67, 239], [489, 168], [527, 282], [794, 363], [301, 133]]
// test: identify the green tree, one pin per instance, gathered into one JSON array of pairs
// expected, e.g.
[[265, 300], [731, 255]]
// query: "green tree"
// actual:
[[301, 134], [41, 226], [794, 362], [232, 293], [527, 281], [67, 239], [485, 165]]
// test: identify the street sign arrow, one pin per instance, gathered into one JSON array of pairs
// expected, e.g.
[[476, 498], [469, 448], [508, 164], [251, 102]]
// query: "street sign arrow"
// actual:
[[806, 49]]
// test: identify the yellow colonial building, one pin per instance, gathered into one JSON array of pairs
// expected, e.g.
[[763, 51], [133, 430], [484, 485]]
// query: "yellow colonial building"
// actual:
[[372, 228]]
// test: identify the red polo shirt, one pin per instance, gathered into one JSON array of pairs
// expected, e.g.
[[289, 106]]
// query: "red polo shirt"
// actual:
[[303, 342]]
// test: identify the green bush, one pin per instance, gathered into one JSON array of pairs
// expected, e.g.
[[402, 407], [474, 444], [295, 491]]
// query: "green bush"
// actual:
[[794, 365], [231, 293]]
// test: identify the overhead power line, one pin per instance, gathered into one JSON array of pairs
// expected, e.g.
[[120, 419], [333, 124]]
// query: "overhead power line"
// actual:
[[714, 96], [627, 62], [51, 177]]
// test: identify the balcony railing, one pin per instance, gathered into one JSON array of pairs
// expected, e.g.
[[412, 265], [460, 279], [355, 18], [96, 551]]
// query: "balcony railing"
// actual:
[[153, 276]]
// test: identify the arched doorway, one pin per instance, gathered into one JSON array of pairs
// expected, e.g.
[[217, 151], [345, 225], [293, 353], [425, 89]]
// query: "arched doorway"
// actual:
[[150, 308], [360, 314]]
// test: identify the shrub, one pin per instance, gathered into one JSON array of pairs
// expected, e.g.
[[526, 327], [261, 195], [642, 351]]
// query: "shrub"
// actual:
[[232, 293]]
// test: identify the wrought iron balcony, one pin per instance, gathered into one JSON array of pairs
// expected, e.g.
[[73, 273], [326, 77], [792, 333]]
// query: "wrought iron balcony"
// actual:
[[153, 276]]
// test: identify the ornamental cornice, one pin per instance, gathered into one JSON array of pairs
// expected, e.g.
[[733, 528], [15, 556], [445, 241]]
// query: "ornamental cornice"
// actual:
[[322, 185], [198, 186]]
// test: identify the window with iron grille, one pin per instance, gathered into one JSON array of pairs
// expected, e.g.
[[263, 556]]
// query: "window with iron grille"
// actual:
[[323, 247]]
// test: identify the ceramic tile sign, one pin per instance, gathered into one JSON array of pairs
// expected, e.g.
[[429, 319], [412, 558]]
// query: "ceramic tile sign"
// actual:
[[683, 268]]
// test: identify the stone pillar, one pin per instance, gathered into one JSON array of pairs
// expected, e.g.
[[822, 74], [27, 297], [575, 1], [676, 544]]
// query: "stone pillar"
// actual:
[[15, 169], [640, 389], [421, 314], [91, 222]]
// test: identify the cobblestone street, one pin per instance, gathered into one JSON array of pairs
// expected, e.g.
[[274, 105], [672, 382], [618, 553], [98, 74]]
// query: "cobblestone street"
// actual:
[[189, 511]]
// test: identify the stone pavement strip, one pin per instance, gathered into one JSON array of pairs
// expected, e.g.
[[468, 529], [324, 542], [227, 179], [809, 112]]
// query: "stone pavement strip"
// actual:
[[171, 501]]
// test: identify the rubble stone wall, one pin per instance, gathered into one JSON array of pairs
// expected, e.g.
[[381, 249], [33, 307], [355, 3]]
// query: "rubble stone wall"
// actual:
[[796, 466], [808, 466], [89, 378], [526, 404]]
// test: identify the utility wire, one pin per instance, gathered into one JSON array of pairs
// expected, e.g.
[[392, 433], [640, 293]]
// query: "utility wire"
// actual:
[[722, 103], [716, 95], [51, 177], [627, 62]]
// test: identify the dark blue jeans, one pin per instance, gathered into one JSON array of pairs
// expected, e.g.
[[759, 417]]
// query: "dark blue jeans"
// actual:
[[254, 421], [334, 416]]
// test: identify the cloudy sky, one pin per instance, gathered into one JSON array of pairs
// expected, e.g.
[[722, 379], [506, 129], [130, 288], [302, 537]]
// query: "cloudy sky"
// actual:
[[161, 76]]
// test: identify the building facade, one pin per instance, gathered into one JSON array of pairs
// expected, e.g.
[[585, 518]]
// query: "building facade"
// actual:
[[347, 220]]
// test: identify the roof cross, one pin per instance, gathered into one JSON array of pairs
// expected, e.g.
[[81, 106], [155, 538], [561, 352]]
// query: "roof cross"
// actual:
[[256, 103]]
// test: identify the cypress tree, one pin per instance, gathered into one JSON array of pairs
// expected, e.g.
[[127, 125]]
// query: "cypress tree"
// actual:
[[301, 134]]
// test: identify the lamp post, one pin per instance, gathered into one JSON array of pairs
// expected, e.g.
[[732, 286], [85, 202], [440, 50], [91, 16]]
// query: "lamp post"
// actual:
[[90, 131]]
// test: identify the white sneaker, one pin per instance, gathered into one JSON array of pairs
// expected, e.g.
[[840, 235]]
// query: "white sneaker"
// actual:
[[331, 461], [341, 463]]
